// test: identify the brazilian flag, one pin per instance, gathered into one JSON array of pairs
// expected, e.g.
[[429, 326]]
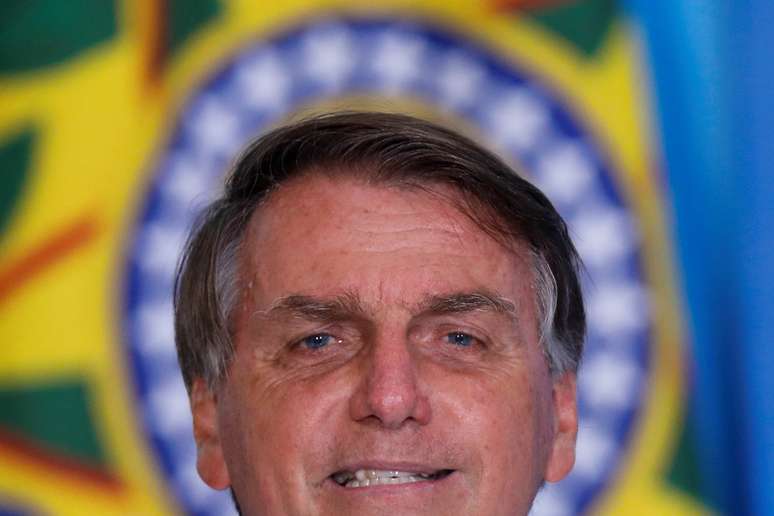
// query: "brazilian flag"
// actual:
[[117, 122]]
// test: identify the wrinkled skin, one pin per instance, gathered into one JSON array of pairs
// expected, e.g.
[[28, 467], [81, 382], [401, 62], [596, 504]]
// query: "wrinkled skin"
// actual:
[[387, 383]]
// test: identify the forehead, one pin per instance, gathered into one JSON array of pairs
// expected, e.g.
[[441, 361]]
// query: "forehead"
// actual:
[[317, 234]]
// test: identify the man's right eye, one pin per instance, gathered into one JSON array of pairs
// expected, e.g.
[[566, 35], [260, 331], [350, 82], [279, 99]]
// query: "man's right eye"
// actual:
[[317, 340], [460, 339]]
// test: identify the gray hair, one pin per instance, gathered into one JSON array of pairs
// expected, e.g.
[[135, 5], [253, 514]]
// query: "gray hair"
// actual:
[[380, 148]]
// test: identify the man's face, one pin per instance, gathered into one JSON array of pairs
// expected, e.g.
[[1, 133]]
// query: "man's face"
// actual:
[[380, 330]]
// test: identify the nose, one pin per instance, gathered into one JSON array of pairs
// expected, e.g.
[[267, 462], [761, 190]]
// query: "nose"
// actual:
[[388, 392]]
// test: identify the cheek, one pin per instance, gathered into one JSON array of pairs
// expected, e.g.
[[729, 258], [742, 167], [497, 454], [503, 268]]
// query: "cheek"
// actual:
[[275, 438], [503, 412], [283, 422]]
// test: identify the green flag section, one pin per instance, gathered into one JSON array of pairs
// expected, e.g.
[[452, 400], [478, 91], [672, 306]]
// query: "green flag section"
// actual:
[[15, 160], [185, 17], [54, 419], [584, 24], [684, 473], [173, 23], [39, 33]]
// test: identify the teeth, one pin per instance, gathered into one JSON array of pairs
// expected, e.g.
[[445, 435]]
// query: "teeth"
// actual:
[[372, 477]]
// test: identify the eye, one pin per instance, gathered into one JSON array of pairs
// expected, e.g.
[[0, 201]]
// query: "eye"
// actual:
[[317, 340], [460, 339]]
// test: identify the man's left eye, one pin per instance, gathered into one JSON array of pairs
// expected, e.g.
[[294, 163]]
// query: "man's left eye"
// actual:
[[317, 340], [460, 339]]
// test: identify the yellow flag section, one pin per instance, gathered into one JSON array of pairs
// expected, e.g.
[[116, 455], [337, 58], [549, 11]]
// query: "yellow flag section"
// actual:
[[85, 135]]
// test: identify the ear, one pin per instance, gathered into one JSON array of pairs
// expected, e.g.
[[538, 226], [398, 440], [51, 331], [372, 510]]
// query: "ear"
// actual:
[[209, 453], [565, 414]]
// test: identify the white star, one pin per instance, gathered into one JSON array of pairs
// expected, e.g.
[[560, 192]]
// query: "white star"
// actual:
[[617, 308], [609, 382], [460, 79], [564, 172], [215, 128], [264, 83], [168, 402], [518, 120], [593, 453], [602, 235], [186, 182], [159, 249], [550, 502], [156, 329], [191, 486], [398, 60], [329, 55]]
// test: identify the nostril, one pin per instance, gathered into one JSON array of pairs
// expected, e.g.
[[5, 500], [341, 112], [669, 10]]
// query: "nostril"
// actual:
[[388, 391], [393, 401]]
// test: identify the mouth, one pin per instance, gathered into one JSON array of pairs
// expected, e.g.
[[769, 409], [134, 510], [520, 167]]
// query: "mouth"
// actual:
[[376, 477]]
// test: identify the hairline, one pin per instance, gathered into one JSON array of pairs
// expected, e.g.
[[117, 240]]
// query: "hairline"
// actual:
[[543, 282], [383, 149]]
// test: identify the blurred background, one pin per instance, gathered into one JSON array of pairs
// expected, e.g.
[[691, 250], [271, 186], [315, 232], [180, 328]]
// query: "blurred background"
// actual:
[[647, 123]]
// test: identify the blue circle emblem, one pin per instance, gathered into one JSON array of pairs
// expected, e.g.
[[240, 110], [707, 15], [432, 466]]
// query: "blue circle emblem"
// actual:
[[524, 120]]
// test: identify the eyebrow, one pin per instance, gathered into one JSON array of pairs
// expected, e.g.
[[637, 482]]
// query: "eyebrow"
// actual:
[[465, 302], [337, 308], [348, 306]]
